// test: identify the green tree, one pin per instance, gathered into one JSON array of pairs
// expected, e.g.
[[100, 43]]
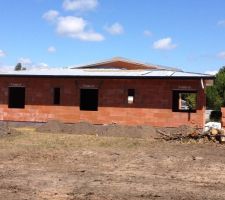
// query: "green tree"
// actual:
[[213, 99], [19, 67], [215, 95], [191, 101]]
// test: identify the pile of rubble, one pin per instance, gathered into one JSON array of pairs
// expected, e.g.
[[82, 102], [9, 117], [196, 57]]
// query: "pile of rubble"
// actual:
[[212, 132], [215, 132], [182, 132], [216, 135]]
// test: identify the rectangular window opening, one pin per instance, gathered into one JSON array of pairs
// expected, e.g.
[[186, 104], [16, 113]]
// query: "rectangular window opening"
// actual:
[[131, 95], [16, 97], [184, 101], [89, 99], [56, 96]]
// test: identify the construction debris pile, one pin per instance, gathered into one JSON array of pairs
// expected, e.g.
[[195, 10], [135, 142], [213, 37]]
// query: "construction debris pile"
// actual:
[[186, 133], [215, 132], [180, 133]]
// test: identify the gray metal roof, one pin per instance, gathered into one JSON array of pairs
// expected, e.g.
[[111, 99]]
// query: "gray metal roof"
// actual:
[[113, 73]]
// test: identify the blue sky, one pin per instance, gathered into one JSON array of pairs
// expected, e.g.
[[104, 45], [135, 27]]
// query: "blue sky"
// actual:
[[189, 34]]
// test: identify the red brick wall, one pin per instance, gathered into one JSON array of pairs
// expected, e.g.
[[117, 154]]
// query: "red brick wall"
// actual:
[[223, 116], [153, 101]]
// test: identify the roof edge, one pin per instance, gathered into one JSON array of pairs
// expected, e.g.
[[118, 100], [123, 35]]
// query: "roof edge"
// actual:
[[210, 77]]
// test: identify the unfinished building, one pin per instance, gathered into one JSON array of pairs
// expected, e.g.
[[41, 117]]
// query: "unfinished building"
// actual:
[[112, 91]]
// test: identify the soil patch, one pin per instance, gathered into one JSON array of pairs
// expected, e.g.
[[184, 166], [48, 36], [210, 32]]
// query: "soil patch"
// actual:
[[73, 167], [5, 130]]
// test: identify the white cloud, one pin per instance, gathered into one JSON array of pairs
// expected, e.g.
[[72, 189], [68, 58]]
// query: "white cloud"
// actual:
[[70, 25], [28, 64], [2, 53], [213, 72], [81, 5], [164, 44], [39, 66], [51, 15], [89, 36], [115, 29], [25, 61], [221, 55], [51, 49], [5, 68], [76, 27], [221, 23], [148, 33]]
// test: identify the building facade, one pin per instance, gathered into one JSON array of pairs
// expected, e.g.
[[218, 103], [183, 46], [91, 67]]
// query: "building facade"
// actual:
[[114, 91]]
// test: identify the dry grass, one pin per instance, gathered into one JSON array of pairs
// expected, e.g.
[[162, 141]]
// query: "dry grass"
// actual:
[[31, 146], [29, 139]]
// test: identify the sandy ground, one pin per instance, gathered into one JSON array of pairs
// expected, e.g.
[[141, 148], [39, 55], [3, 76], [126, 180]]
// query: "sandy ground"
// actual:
[[62, 166]]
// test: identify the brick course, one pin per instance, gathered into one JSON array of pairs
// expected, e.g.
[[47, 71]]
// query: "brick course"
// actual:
[[153, 101]]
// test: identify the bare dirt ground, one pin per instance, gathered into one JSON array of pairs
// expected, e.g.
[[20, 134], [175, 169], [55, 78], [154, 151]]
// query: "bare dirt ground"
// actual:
[[80, 167]]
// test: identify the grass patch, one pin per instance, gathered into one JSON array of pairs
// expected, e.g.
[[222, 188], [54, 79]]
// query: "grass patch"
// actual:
[[29, 139]]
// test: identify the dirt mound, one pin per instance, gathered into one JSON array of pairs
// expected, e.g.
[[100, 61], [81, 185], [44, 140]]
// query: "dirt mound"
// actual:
[[81, 128], [6, 130], [51, 126], [115, 130], [128, 131], [55, 126], [100, 130], [149, 132]]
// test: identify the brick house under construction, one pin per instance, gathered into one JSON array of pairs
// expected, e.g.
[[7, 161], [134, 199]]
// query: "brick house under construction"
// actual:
[[112, 91]]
